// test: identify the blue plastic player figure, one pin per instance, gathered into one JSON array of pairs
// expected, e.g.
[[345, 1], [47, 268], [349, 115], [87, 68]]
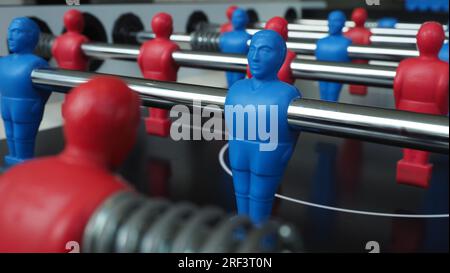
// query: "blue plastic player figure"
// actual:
[[387, 22], [236, 41], [443, 54], [333, 48], [22, 105], [261, 141]]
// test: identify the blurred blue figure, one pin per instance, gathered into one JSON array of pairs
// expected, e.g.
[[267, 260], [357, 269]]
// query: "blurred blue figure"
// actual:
[[412, 5], [387, 22], [443, 53], [333, 48], [22, 105], [236, 41], [260, 138], [424, 5], [435, 5], [445, 5]]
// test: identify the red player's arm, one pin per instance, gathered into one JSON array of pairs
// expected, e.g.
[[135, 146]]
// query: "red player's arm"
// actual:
[[54, 48], [139, 58], [168, 61], [367, 39], [442, 92], [291, 57], [398, 83], [85, 40], [222, 28], [348, 34]]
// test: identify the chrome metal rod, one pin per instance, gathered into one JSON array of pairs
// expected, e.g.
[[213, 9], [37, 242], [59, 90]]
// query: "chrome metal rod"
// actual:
[[306, 35], [375, 31], [398, 128], [360, 52], [381, 76], [143, 36], [316, 22], [372, 52]]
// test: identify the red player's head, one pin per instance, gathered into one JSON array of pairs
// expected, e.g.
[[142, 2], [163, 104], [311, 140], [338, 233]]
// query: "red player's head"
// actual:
[[162, 25], [278, 24], [230, 11], [430, 38], [74, 21], [359, 16], [101, 118]]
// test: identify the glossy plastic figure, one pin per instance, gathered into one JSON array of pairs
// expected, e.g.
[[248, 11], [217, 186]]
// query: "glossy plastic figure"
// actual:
[[227, 27], [156, 63], [279, 25], [49, 200], [387, 22], [443, 54], [360, 35], [236, 41], [333, 48], [427, 93], [257, 170], [67, 48], [22, 104]]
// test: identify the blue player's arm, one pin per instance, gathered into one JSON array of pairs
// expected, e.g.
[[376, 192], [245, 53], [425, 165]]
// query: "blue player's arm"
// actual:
[[44, 91], [222, 42], [317, 51], [349, 43]]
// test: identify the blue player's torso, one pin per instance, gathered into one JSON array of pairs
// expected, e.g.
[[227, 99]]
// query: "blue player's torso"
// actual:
[[275, 93], [333, 48], [15, 77], [234, 42]]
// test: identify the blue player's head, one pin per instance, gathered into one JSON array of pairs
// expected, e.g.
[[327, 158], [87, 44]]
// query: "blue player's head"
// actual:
[[23, 35], [266, 54], [336, 21], [239, 20]]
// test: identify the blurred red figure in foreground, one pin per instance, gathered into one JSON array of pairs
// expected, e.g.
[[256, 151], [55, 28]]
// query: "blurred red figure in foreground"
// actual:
[[46, 203]]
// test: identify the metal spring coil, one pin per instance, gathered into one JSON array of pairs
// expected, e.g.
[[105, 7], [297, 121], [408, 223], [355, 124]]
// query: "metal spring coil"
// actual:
[[131, 223], [44, 46], [205, 41]]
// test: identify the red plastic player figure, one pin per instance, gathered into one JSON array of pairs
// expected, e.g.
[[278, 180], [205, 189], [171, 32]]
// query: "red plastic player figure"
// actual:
[[360, 35], [156, 63], [227, 27], [421, 85], [280, 25], [46, 203], [67, 48]]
